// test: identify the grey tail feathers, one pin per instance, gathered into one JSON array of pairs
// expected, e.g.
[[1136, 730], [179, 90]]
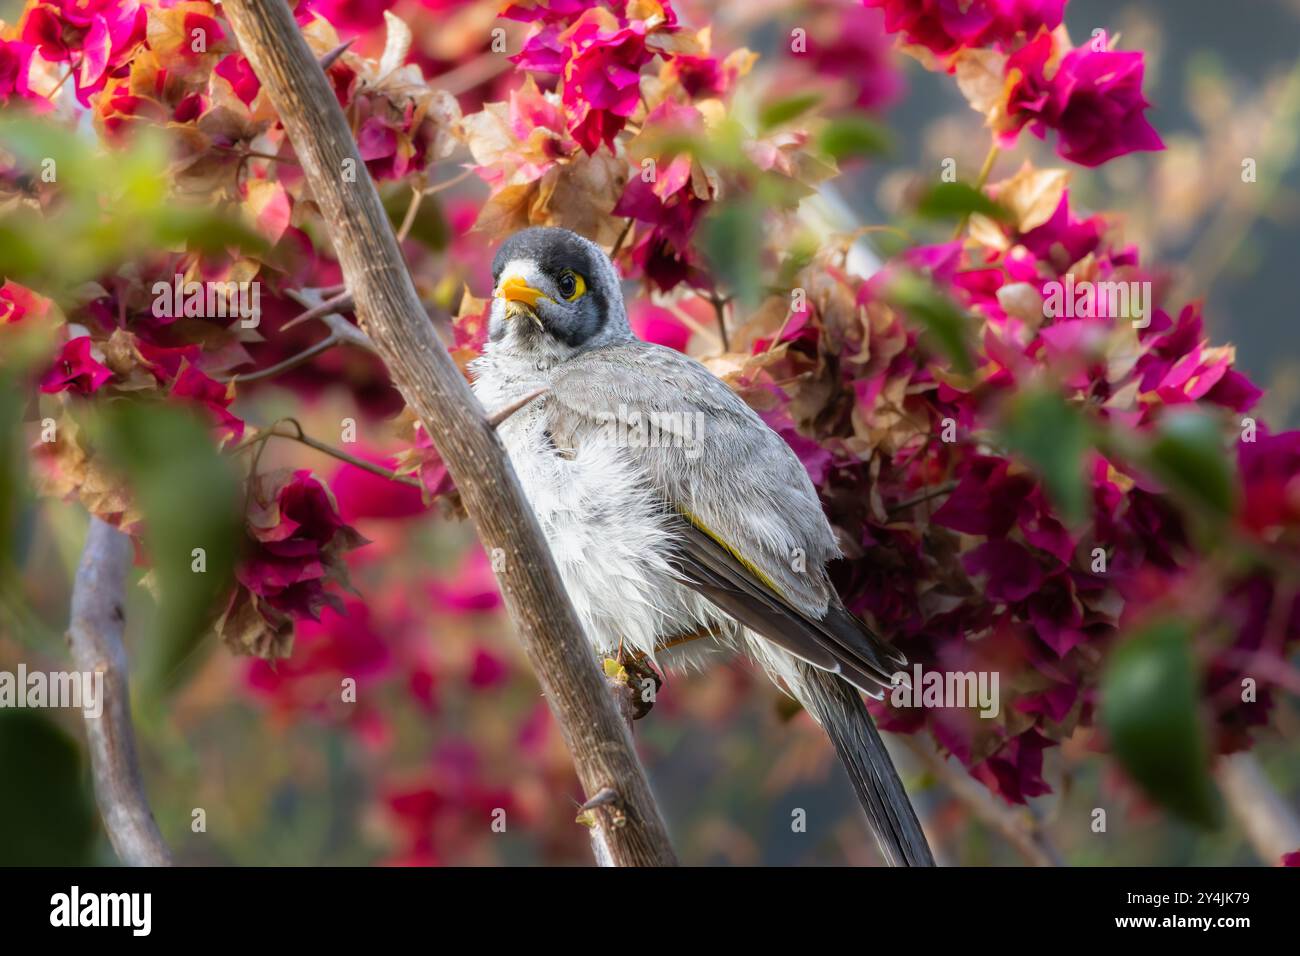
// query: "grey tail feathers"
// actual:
[[838, 707]]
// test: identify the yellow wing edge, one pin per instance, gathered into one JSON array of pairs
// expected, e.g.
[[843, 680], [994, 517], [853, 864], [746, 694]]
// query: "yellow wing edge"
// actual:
[[744, 562]]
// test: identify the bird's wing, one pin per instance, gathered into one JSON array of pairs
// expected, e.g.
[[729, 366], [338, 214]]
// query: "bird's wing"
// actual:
[[752, 536]]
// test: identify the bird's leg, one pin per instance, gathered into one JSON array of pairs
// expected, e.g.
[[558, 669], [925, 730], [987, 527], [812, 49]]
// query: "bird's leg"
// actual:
[[679, 639]]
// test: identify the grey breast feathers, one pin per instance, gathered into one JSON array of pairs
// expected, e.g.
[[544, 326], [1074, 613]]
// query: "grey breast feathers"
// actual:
[[707, 454]]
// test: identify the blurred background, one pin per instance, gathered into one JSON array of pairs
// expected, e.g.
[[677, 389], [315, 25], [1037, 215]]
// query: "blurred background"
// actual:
[[449, 726]]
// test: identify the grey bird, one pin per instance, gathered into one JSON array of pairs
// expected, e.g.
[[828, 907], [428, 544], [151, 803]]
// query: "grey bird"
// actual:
[[680, 523]]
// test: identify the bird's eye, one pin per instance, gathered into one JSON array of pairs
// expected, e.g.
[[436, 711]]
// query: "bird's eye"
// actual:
[[572, 285]]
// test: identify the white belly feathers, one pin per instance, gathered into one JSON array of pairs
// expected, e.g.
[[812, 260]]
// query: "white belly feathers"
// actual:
[[605, 528]]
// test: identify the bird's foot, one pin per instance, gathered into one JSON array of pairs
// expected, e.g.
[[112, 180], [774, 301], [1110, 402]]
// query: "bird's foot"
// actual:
[[636, 682]]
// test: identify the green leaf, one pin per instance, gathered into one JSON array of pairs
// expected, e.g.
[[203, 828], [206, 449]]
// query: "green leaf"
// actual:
[[1053, 436], [851, 136], [47, 817], [13, 483], [1189, 457], [36, 144], [190, 499], [942, 318], [203, 230], [732, 242], [785, 110], [956, 201], [429, 228], [1149, 708]]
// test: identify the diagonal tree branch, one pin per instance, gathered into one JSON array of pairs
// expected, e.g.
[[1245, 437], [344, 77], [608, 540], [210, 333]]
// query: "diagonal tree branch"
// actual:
[[1270, 822], [1018, 828], [631, 826], [95, 638]]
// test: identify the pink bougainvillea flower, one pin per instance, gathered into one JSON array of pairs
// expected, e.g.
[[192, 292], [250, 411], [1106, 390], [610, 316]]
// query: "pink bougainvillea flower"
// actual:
[[97, 36], [75, 369], [1016, 771], [986, 500], [166, 363], [672, 204], [602, 82], [599, 55], [1092, 99], [433, 814], [15, 63], [1060, 242], [471, 588], [422, 460], [850, 43], [215, 398], [238, 72], [1011, 573], [653, 323], [945, 26], [546, 11], [343, 642], [1270, 474], [350, 16], [298, 537], [487, 670], [363, 494], [17, 302]]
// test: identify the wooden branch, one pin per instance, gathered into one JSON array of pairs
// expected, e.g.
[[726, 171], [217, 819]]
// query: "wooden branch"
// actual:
[[95, 638], [1017, 828], [1270, 822], [395, 321]]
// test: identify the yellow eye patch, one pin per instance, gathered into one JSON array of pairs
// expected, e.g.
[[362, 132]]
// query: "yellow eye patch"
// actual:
[[572, 285]]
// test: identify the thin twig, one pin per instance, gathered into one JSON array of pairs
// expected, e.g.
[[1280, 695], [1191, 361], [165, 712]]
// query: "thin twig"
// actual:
[[921, 498], [293, 361], [1222, 238], [990, 158], [339, 303], [693, 324], [254, 154], [477, 71], [72, 68], [342, 332], [622, 237], [95, 639], [303, 438], [412, 209], [501, 414], [329, 58], [1270, 823], [448, 183], [1019, 829], [720, 308]]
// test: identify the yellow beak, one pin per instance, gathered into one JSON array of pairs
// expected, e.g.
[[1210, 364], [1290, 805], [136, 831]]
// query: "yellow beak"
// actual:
[[515, 289]]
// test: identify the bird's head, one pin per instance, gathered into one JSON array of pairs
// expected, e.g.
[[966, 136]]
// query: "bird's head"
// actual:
[[555, 294]]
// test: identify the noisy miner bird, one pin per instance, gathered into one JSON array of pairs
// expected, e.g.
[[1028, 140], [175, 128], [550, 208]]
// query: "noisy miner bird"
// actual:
[[679, 521]]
